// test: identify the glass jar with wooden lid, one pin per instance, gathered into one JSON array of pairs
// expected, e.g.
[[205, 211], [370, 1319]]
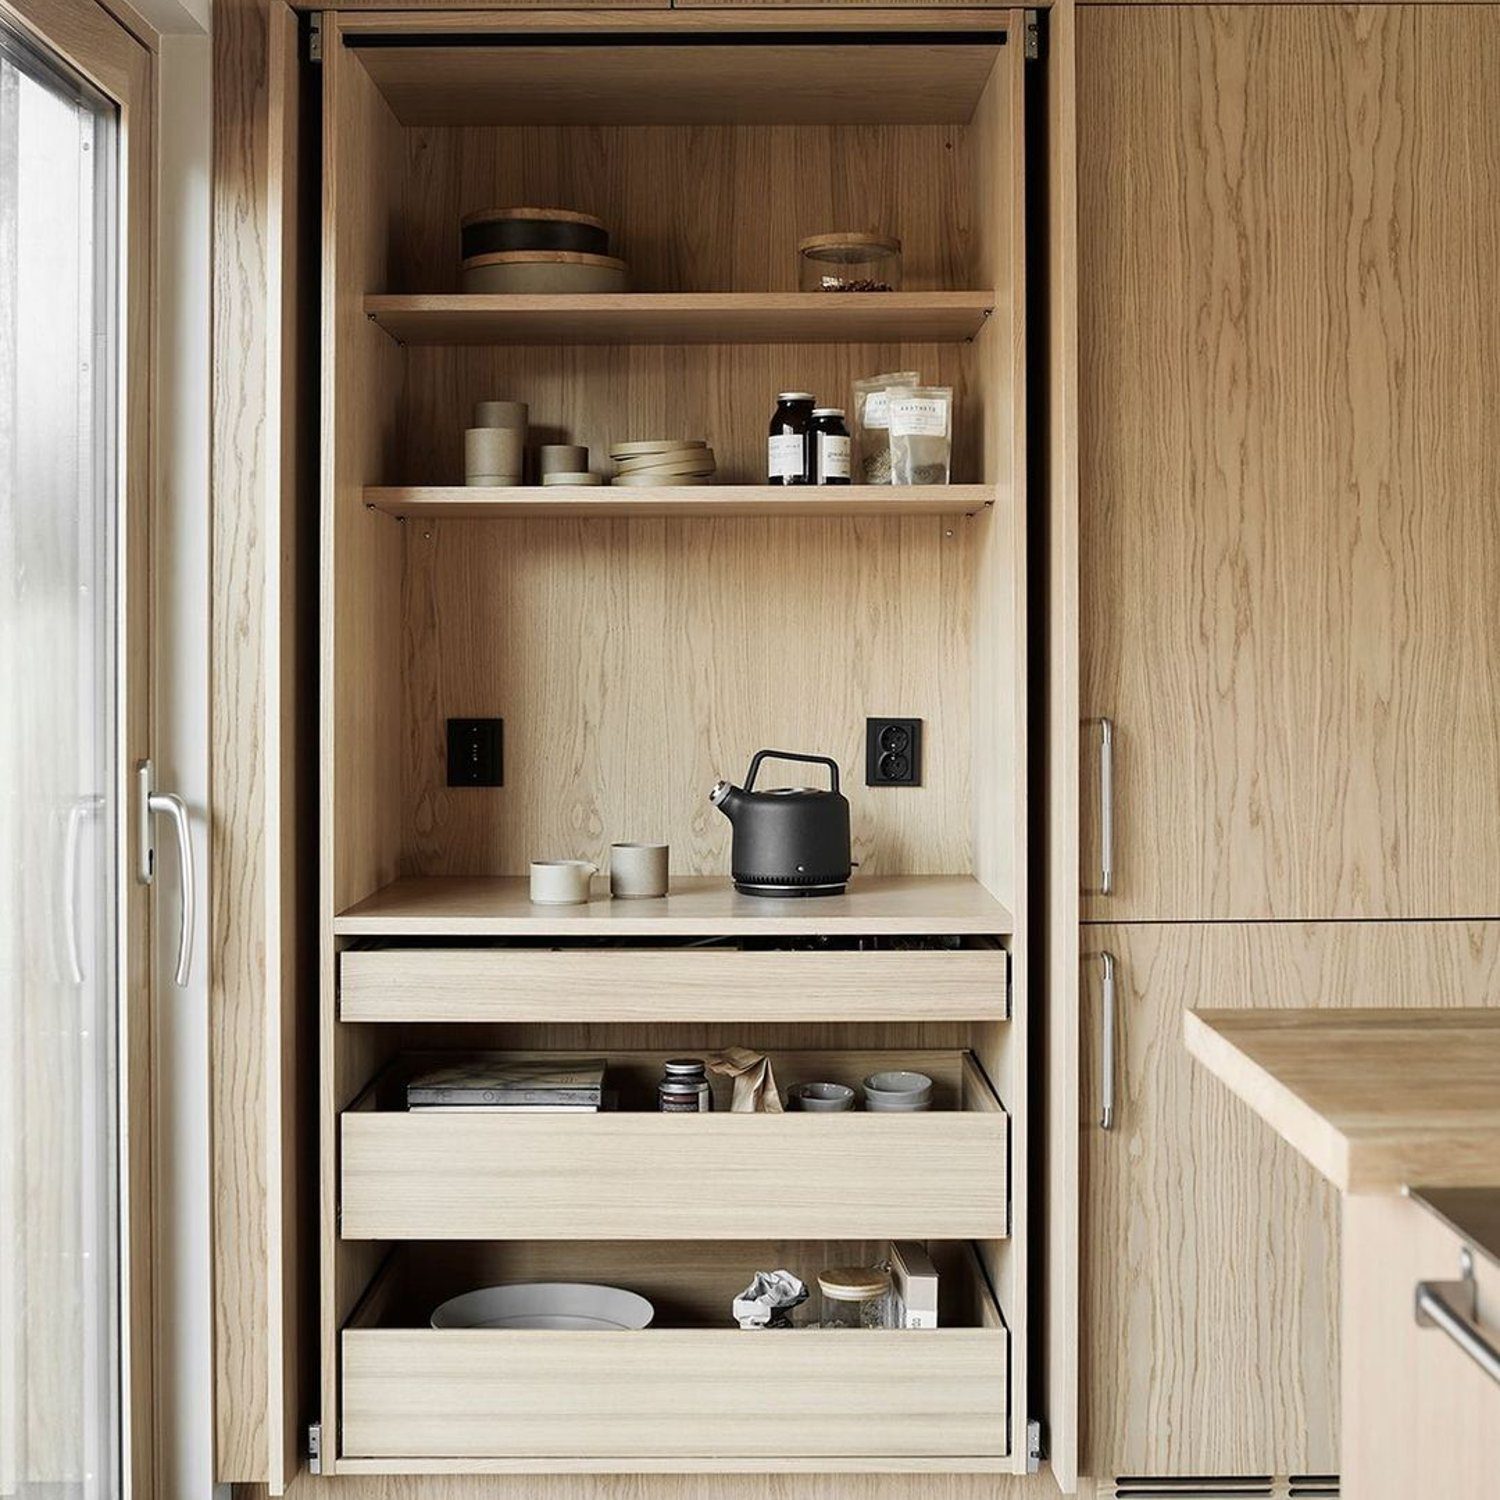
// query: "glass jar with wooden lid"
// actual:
[[854, 1297], [850, 262]]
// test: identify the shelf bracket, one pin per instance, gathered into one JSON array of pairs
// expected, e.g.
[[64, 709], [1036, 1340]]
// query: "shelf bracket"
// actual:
[[1036, 1444], [314, 1447]]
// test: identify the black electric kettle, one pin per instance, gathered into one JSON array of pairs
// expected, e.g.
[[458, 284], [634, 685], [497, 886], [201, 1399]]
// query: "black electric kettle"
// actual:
[[793, 841]]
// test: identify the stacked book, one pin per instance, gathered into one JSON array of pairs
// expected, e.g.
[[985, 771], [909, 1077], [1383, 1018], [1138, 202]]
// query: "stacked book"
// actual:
[[520, 1085]]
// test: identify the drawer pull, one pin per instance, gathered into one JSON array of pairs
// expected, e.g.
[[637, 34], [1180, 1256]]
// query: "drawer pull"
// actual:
[[1453, 1307], [1107, 1051]]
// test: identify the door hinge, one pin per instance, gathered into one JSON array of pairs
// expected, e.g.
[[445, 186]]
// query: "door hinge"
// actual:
[[1033, 38], [315, 37], [314, 1447], [1036, 1444], [1010, 987]]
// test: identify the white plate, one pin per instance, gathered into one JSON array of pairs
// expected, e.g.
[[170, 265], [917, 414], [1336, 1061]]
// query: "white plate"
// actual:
[[547, 1304]]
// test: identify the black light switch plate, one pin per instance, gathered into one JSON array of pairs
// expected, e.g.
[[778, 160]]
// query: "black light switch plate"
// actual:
[[893, 752], [474, 752]]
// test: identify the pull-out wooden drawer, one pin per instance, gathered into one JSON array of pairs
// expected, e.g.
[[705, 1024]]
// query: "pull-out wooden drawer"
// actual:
[[636, 1174], [718, 1393], [672, 984]]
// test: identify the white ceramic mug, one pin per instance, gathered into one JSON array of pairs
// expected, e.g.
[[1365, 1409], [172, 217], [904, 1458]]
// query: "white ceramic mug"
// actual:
[[637, 870], [561, 882]]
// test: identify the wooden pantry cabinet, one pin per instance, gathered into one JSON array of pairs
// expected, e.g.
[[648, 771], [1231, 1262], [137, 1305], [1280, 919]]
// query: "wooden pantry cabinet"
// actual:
[[638, 643], [1289, 367]]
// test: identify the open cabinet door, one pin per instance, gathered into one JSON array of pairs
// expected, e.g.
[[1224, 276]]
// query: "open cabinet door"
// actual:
[[1061, 902], [264, 671]]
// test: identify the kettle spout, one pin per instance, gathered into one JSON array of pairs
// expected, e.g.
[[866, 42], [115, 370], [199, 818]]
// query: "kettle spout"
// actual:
[[728, 799]]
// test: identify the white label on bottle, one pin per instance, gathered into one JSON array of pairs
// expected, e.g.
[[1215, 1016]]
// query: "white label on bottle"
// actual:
[[919, 416], [833, 457], [788, 456], [877, 408]]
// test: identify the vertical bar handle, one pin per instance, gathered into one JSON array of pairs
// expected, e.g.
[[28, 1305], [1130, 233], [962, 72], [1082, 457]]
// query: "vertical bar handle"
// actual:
[[1453, 1306], [1106, 806], [1108, 1022]]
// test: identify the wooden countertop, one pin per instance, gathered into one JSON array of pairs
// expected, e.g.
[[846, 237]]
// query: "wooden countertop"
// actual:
[[1374, 1099]]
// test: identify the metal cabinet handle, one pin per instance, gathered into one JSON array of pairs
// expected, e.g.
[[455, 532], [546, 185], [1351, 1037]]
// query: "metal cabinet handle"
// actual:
[[1107, 1051], [1106, 806], [1453, 1306], [170, 805], [81, 810]]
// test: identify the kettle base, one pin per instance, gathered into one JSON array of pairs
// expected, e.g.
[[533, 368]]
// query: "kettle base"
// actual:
[[782, 892]]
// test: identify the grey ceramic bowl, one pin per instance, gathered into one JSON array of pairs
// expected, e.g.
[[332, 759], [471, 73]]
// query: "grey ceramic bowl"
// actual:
[[820, 1098], [900, 1084]]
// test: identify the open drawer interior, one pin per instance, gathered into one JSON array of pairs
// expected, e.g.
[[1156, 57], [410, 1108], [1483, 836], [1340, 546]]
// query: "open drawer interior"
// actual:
[[498, 1175], [691, 1384]]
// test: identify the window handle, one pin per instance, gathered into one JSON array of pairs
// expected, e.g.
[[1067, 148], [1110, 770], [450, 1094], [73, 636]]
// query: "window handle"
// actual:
[[169, 805]]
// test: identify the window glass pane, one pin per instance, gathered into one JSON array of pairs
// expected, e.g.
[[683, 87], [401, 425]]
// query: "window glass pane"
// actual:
[[59, 1262]]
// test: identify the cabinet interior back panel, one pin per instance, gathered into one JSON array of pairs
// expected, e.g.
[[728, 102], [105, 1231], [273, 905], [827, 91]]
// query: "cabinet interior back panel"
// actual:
[[702, 208], [636, 661]]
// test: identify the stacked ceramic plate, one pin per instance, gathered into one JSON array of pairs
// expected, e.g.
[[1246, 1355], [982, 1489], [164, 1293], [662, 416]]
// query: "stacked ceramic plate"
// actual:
[[656, 461], [546, 250]]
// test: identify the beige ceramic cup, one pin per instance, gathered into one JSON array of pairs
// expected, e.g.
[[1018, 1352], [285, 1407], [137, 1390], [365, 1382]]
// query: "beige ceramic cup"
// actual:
[[637, 870], [562, 458], [561, 882], [495, 450]]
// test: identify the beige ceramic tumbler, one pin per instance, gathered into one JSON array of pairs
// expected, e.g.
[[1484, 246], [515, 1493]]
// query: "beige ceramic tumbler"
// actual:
[[637, 870]]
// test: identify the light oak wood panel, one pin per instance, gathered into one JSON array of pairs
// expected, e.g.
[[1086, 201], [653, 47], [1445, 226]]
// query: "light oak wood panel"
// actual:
[[678, 1390], [636, 662], [1290, 382], [739, 82], [1056, 626], [695, 907], [665, 985], [425, 18], [1375, 1101], [1209, 1325], [482, 502], [682, 318], [1420, 1416], [415, 1175]]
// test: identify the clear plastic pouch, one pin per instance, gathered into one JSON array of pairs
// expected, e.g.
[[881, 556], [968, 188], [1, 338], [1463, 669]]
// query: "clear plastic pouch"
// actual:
[[872, 448], [919, 426]]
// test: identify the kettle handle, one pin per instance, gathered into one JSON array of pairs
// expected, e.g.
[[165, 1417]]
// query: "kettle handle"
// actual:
[[812, 760]]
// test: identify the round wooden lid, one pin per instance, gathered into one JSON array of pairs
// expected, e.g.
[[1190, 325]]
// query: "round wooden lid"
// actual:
[[854, 1283], [558, 215], [541, 258], [848, 242]]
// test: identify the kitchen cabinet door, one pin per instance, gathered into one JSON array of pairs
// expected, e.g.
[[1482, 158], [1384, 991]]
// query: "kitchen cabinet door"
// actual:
[[1209, 1326], [1289, 393]]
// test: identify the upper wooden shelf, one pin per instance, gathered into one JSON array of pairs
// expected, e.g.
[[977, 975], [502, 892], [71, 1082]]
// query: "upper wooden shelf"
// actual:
[[469, 502], [698, 906], [684, 318]]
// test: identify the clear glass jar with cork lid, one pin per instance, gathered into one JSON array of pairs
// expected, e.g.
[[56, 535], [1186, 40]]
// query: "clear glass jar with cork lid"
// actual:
[[854, 1297]]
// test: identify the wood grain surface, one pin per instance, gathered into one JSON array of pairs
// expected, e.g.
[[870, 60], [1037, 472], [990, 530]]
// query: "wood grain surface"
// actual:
[[1290, 390], [1209, 1336], [1376, 1100]]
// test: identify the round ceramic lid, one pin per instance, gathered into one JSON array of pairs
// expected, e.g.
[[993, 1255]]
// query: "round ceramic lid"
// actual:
[[854, 1283]]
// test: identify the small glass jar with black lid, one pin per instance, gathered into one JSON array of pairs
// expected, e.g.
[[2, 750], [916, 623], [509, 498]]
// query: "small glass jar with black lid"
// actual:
[[684, 1089], [829, 442], [789, 452]]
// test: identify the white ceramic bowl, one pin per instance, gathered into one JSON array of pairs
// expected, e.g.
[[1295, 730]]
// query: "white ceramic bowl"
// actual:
[[547, 1304], [820, 1098]]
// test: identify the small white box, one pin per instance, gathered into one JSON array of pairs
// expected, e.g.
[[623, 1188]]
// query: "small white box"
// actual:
[[914, 1286]]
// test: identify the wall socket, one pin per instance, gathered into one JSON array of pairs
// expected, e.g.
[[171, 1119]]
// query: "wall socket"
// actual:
[[475, 752], [893, 752]]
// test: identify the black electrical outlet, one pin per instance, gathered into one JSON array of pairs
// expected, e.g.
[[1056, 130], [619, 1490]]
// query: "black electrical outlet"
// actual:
[[893, 752], [474, 755]]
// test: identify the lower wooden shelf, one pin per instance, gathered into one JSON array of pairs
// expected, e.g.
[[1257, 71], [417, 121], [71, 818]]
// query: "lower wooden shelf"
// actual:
[[688, 1393]]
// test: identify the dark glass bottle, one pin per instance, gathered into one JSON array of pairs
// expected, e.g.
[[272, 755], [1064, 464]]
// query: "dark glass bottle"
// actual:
[[829, 442], [789, 452]]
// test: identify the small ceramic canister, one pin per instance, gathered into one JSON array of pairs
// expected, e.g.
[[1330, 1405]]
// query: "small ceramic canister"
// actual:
[[562, 458], [637, 870], [495, 450], [501, 414], [561, 882]]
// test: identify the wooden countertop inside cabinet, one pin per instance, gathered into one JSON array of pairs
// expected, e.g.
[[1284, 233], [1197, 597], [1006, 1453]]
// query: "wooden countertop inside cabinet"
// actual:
[[1374, 1099]]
